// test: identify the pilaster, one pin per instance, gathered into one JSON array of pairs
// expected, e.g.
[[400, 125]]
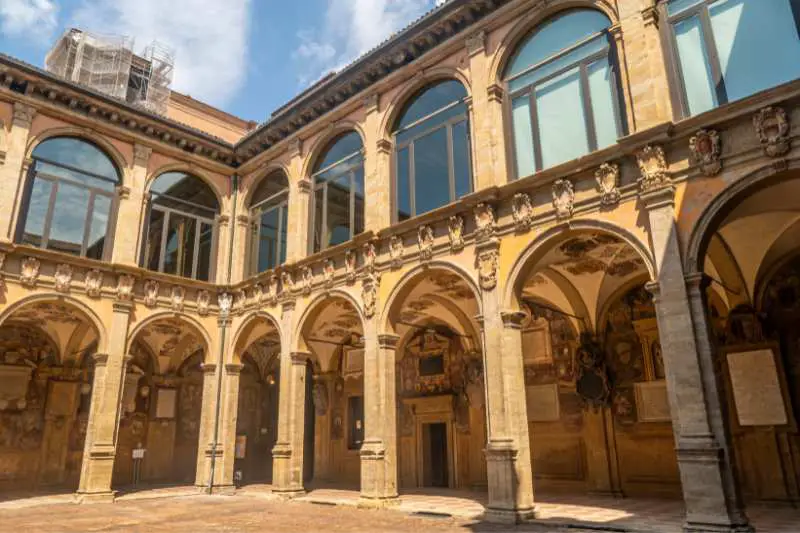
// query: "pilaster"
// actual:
[[300, 190], [377, 170], [131, 207], [15, 169]]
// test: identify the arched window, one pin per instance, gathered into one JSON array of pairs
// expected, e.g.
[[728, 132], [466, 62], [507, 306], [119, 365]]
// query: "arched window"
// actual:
[[70, 191], [432, 150], [339, 192], [181, 228], [563, 87], [269, 215], [729, 49]]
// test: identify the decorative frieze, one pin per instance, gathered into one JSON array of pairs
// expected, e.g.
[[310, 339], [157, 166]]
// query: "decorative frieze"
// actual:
[[203, 302], [772, 130], [607, 178], [563, 198], [396, 251], [177, 296], [425, 242], [455, 232], [63, 278], [151, 293], [485, 222], [93, 283], [522, 210], [653, 168], [125, 283], [706, 149], [29, 274]]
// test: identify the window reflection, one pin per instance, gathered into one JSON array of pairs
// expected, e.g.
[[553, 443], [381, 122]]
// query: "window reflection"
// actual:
[[269, 212], [71, 188], [432, 150]]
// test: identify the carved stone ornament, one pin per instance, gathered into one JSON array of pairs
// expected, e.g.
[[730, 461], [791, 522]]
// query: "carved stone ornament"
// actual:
[[308, 279], [486, 263], [455, 231], [203, 302], [29, 274], [522, 210], [706, 148], [350, 265], [329, 273], [272, 289], [370, 257], [225, 303], [607, 178], [150, 293], [653, 168], [563, 198], [177, 296], [93, 282], [240, 299], [287, 282], [484, 221], [396, 251], [772, 129], [63, 278], [125, 284], [425, 241], [369, 296]]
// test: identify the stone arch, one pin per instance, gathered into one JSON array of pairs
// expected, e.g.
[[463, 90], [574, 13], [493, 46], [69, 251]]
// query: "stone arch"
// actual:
[[313, 308], [527, 260], [190, 170], [530, 21], [164, 315], [326, 140], [249, 322], [84, 134], [85, 310], [260, 176]]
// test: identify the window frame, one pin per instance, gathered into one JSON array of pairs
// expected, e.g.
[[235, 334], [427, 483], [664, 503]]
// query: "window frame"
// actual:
[[278, 201], [353, 433], [609, 52], [54, 180], [465, 117], [680, 98]]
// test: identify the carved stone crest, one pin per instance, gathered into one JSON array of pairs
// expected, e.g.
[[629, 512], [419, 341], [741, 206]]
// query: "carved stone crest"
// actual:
[[29, 275], [522, 210], [125, 287], [93, 283], [484, 221], [203, 301], [287, 282], [308, 279], [225, 303], [150, 293], [350, 265], [455, 231], [396, 251], [272, 289], [177, 295], [370, 257], [63, 278], [329, 273], [772, 130], [486, 263], [563, 198], [706, 147], [607, 178], [369, 296], [653, 168], [425, 241]]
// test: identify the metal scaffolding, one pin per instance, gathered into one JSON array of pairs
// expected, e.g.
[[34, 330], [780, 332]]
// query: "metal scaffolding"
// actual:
[[107, 63]]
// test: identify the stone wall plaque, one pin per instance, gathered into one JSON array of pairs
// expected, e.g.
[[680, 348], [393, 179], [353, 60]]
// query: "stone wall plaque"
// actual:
[[756, 388], [536, 346], [652, 402], [353, 361], [543, 403], [165, 403]]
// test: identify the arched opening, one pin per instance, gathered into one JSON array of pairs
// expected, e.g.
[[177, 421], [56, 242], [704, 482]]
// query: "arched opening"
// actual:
[[750, 257], [46, 379], [441, 421], [69, 197], [161, 405], [269, 215], [181, 231], [597, 404], [333, 334]]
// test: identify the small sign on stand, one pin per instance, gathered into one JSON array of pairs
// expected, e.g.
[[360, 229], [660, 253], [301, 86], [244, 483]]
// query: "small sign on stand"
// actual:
[[138, 458]]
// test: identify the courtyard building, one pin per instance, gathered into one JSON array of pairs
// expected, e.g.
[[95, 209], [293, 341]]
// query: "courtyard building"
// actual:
[[521, 248]]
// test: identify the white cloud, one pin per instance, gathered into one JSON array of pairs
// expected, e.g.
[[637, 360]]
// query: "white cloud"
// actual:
[[352, 28], [32, 19], [209, 37]]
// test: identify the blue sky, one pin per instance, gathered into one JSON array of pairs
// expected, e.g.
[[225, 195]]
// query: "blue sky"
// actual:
[[245, 56]]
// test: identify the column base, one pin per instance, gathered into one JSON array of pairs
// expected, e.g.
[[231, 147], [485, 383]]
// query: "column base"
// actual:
[[289, 493], [508, 516], [378, 503], [717, 528], [95, 497], [222, 490]]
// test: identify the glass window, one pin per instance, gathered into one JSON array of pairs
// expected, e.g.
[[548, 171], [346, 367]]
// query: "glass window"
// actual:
[[71, 188], [268, 211], [181, 226], [339, 192], [355, 415], [723, 54], [432, 154], [563, 90]]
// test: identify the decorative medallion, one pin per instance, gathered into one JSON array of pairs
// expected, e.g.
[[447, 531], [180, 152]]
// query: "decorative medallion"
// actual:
[[772, 130], [150, 293], [63, 278], [592, 383], [29, 274], [177, 296], [350, 265], [484, 221], [93, 282], [653, 167], [425, 241], [486, 263], [369, 296], [329, 273], [523, 211], [706, 148], [307, 279], [396, 251], [225, 303], [455, 231], [125, 284], [563, 198], [203, 302], [607, 178]]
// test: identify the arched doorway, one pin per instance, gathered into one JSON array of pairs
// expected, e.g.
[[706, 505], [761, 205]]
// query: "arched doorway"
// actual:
[[441, 421], [161, 404], [46, 376], [597, 404]]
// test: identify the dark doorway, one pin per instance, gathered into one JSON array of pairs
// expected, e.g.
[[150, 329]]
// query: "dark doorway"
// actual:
[[435, 471], [308, 439]]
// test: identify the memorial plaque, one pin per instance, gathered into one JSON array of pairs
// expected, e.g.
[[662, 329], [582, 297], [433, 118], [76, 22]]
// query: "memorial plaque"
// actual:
[[353, 361], [543, 403], [165, 403], [536, 345], [652, 402], [756, 387]]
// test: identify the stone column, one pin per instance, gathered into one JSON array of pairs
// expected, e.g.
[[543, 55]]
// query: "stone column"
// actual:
[[15, 169], [227, 436], [131, 209], [508, 448], [101, 431], [379, 451], [704, 465], [205, 439]]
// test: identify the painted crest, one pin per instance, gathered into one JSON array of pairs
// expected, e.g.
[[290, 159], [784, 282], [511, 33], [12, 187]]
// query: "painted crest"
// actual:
[[522, 210], [369, 296], [772, 130], [563, 198], [396, 251], [653, 168], [484, 221], [329, 273], [125, 284], [706, 148], [272, 289], [287, 282], [29, 274], [203, 302], [177, 296], [486, 263], [308, 279], [425, 241], [607, 178], [150, 293], [455, 232], [370, 256], [350, 265], [63, 278], [93, 283]]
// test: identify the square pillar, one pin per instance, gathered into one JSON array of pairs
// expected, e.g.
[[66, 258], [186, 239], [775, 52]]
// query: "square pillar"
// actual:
[[227, 437], [379, 450], [205, 442], [14, 171], [288, 451], [703, 462], [130, 209], [101, 432]]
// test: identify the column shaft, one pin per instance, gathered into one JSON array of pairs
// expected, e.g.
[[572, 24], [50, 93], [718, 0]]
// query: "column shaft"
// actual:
[[13, 172]]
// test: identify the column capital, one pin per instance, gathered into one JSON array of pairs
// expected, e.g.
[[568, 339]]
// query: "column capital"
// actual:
[[304, 186], [100, 359], [223, 321], [388, 341], [476, 43], [512, 319], [141, 155], [654, 288], [697, 282], [234, 368], [124, 307], [300, 358], [208, 368], [657, 198]]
